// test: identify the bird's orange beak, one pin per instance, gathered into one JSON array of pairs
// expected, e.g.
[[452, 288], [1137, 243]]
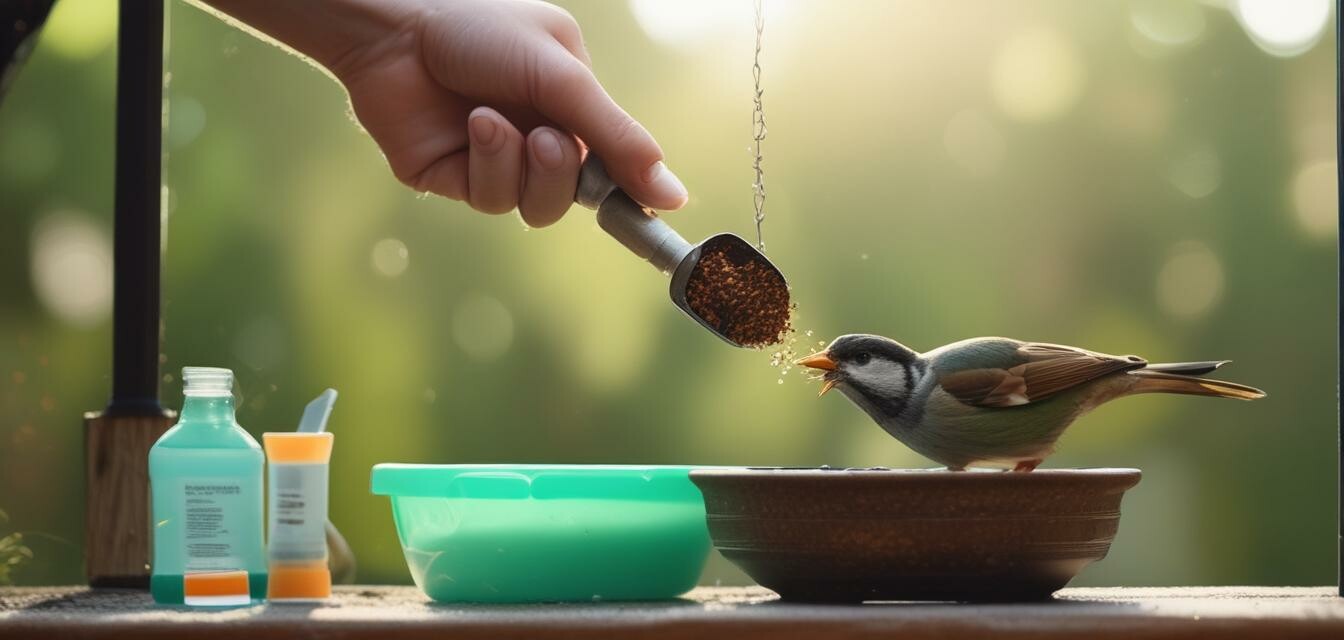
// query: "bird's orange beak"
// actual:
[[824, 362], [818, 361]]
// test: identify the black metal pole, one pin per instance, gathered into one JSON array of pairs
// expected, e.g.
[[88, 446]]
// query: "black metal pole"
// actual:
[[135, 307], [1339, 344]]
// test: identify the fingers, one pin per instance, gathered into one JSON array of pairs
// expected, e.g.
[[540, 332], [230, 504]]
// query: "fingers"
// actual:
[[552, 171], [495, 162], [569, 94]]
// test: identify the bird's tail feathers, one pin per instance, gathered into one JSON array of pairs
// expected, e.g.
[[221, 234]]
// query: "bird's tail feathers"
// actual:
[[1151, 381], [1187, 368]]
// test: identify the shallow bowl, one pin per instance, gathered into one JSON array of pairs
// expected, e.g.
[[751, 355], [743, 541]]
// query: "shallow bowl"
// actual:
[[882, 534]]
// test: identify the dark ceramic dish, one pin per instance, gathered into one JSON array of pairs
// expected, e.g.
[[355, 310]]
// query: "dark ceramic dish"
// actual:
[[851, 535]]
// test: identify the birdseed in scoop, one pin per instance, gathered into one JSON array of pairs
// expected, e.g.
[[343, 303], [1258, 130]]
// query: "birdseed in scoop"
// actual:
[[741, 296]]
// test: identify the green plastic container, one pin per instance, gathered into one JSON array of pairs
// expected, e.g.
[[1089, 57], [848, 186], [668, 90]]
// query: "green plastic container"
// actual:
[[547, 533]]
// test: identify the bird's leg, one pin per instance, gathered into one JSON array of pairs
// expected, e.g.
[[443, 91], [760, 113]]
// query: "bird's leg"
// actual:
[[1027, 465]]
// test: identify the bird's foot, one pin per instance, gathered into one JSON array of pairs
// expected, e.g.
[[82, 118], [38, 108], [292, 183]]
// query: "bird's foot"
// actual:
[[1027, 465]]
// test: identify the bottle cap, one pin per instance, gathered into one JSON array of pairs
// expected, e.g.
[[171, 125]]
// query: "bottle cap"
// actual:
[[207, 381], [215, 588], [292, 446], [299, 581]]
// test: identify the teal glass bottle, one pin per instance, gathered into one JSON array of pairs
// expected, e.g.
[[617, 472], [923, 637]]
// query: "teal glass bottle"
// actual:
[[205, 477]]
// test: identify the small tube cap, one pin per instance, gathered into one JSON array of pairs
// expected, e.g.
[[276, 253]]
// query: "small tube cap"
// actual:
[[295, 447], [215, 588], [299, 581]]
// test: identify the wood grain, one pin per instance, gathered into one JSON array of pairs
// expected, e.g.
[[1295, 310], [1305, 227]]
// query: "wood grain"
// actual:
[[116, 500]]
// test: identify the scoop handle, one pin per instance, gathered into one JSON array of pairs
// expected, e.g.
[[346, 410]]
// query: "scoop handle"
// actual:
[[638, 228]]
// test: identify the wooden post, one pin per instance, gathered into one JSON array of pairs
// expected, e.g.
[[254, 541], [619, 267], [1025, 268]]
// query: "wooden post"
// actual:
[[117, 440], [117, 530]]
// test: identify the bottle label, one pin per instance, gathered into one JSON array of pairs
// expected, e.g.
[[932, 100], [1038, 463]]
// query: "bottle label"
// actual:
[[211, 508], [298, 511]]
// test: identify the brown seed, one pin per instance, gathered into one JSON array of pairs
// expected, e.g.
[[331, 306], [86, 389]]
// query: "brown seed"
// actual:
[[739, 295]]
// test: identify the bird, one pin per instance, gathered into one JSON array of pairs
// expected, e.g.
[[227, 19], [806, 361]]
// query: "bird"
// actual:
[[995, 402]]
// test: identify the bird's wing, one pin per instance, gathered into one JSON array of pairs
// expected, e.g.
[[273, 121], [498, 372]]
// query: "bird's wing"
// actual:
[[1041, 370]]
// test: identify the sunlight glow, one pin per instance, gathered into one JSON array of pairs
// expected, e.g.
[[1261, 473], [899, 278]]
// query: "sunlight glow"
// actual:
[[689, 24], [80, 29], [1037, 75], [1283, 28]]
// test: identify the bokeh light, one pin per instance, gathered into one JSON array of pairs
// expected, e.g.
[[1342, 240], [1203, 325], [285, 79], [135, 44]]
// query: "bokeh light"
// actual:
[[71, 268], [1314, 193], [80, 29], [390, 257], [1283, 27], [1037, 75], [1190, 281], [1170, 23], [186, 121], [483, 328], [1196, 171]]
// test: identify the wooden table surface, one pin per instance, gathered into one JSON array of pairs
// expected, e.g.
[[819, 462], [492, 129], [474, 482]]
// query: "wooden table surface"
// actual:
[[403, 612]]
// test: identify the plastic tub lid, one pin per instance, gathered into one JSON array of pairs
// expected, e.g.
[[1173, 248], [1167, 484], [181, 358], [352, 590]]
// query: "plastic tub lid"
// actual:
[[538, 481]]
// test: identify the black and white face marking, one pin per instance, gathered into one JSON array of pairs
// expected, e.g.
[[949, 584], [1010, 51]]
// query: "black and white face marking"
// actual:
[[877, 373]]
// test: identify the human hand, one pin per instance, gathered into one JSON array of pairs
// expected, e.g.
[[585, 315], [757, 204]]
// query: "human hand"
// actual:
[[490, 102]]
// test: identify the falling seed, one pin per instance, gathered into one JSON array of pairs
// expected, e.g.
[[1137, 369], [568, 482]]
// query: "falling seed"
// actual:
[[780, 381], [809, 333]]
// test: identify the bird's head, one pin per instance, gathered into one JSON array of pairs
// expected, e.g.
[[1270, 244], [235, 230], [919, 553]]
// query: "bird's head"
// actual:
[[875, 367]]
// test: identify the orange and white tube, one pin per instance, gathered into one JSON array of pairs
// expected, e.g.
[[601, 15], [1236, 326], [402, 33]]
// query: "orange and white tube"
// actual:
[[297, 545]]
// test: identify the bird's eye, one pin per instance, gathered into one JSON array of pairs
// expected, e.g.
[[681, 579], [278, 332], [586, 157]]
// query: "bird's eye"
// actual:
[[862, 358]]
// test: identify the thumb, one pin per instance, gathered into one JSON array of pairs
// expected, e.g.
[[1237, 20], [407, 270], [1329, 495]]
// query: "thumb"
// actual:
[[569, 95]]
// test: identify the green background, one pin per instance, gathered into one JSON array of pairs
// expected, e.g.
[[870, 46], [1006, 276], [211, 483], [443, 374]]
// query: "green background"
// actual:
[[1132, 177]]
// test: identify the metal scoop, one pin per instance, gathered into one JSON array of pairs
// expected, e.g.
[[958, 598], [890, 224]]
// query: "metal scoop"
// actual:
[[647, 236]]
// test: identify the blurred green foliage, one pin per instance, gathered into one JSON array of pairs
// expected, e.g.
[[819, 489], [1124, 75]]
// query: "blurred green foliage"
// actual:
[[1132, 177], [12, 553]]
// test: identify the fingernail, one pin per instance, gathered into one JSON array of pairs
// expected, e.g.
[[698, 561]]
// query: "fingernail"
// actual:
[[483, 131], [546, 149], [664, 184]]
